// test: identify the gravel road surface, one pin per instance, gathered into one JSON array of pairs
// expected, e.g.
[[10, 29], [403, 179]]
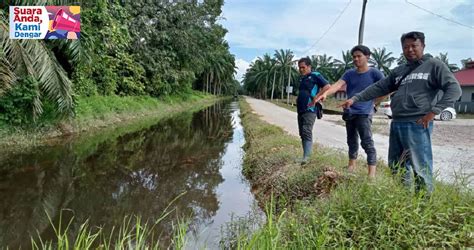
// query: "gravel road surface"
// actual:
[[453, 141]]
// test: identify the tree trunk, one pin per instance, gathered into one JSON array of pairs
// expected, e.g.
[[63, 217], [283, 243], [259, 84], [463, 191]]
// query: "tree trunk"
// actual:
[[210, 82], [215, 87], [288, 93], [273, 84], [281, 83], [207, 82]]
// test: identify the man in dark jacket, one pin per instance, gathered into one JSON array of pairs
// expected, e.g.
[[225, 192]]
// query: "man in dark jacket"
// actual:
[[414, 105], [311, 83]]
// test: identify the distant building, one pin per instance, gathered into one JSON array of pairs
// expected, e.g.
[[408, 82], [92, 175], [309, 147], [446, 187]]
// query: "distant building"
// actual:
[[341, 93], [465, 78]]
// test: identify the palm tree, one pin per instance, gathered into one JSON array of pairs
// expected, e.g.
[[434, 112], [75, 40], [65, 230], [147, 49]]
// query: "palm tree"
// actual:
[[444, 58], [219, 70], [344, 65], [383, 60], [284, 61], [249, 78], [401, 59], [325, 65], [263, 75], [20, 58], [275, 71]]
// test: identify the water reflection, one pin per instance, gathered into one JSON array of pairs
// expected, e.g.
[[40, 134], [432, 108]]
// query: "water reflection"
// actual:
[[137, 173]]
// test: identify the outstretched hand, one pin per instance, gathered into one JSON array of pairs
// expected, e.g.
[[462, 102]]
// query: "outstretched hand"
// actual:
[[320, 98], [316, 100], [347, 104]]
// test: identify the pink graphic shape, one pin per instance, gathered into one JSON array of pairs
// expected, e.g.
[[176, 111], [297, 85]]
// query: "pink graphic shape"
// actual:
[[62, 21]]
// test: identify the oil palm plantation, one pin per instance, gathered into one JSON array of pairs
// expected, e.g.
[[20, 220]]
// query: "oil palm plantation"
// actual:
[[401, 59], [382, 60], [325, 65], [284, 62], [344, 64], [258, 75]]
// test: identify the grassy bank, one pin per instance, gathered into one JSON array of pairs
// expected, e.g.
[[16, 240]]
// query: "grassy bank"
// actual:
[[101, 114], [319, 205]]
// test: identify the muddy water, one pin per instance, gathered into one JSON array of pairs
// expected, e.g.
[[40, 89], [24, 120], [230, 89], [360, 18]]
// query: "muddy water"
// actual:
[[196, 157]]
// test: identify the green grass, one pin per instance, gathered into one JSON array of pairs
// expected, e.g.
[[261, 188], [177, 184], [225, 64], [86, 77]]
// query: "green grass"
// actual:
[[133, 233], [308, 210], [99, 107], [101, 114]]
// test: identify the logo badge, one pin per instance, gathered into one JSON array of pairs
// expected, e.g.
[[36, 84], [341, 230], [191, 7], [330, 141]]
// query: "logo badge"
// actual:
[[45, 22]]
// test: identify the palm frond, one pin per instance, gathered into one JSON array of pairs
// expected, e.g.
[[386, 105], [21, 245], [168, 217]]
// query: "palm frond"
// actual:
[[33, 58], [7, 76], [76, 50], [13, 50], [53, 79]]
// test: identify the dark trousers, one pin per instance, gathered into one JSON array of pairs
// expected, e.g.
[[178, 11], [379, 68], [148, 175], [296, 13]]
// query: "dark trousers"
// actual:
[[305, 125], [360, 126]]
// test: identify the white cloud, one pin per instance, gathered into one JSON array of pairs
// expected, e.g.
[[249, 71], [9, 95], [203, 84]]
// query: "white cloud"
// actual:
[[242, 66], [296, 25]]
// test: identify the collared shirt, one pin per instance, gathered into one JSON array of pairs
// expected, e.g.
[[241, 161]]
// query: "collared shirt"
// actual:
[[310, 85]]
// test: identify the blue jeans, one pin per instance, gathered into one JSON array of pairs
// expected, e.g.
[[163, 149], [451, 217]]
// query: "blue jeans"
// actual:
[[360, 126], [410, 151]]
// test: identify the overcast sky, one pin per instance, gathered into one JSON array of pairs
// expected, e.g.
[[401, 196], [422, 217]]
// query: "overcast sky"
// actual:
[[256, 27]]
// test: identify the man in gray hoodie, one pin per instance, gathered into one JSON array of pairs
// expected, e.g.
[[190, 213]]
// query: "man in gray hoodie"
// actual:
[[414, 104]]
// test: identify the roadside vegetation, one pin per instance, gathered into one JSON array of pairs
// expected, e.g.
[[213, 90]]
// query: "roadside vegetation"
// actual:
[[320, 205], [99, 115], [142, 62]]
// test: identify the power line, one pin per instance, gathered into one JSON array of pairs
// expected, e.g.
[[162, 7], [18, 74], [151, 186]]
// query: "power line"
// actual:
[[330, 27], [440, 16]]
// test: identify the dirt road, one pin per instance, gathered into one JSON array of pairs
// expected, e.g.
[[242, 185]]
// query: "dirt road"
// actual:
[[450, 159]]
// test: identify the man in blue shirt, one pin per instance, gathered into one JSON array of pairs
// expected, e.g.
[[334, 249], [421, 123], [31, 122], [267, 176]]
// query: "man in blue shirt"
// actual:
[[358, 117], [311, 83]]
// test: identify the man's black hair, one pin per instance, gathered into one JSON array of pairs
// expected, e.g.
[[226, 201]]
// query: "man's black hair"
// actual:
[[413, 35], [305, 60], [363, 49]]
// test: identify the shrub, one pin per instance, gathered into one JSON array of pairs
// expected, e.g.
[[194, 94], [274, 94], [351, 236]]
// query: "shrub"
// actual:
[[16, 106]]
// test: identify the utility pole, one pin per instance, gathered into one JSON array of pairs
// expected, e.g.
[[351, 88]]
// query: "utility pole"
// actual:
[[288, 87], [362, 22]]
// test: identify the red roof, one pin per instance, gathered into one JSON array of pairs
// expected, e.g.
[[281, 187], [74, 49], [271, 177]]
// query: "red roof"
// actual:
[[465, 77]]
